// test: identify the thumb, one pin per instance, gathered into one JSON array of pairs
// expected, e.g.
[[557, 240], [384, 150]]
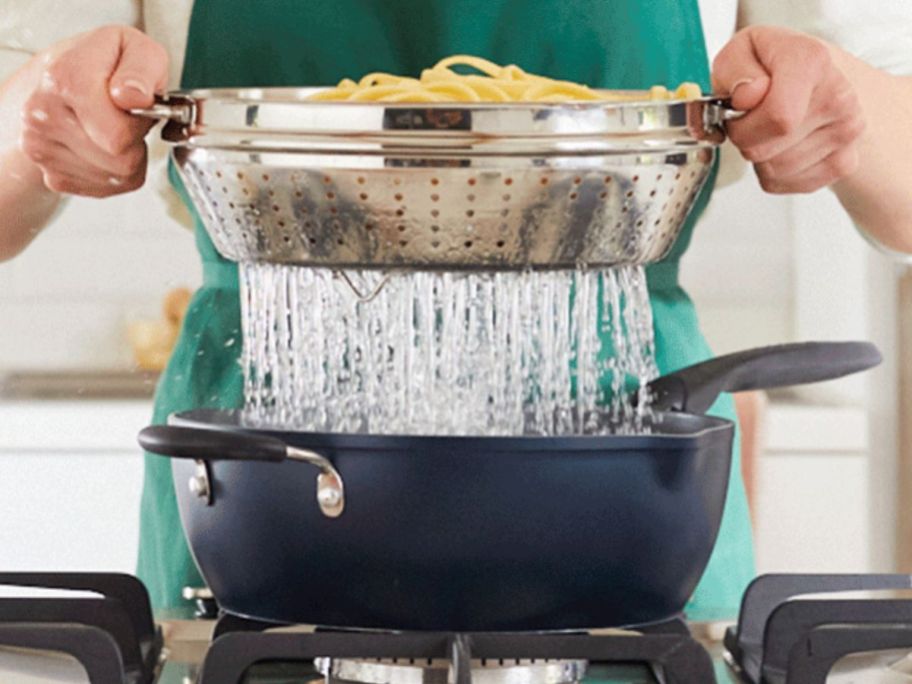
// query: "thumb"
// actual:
[[738, 72], [141, 71]]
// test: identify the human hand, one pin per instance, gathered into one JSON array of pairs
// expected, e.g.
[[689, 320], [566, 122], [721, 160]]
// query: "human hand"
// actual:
[[804, 120], [75, 125]]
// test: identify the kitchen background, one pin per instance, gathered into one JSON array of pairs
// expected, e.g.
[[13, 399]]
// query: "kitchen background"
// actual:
[[762, 269]]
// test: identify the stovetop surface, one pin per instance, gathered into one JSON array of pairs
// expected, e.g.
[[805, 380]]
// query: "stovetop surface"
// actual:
[[895, 669], [186, 642], [792, 630]]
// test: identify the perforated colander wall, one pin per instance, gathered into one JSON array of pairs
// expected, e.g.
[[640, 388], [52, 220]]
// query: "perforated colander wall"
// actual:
[[560, 212]]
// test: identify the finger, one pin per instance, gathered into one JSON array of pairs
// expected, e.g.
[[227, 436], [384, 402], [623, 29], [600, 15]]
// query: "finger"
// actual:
[[71, 185], [77, 165], [794, 74], [62, 172], [812, 149], [748, 93], [59, 180], [59, 164], [46, 112], [122, 165], [36, 146], [837, 111], [48, 119], [141, 71], [738, 72], [756, 146], [81, 79], [839, 164], [117, 181]]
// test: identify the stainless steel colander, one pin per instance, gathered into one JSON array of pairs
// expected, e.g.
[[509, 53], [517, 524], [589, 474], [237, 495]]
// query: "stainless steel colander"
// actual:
[[281, 179]]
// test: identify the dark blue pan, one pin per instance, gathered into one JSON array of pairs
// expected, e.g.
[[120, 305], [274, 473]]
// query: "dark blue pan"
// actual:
[[472, 533]]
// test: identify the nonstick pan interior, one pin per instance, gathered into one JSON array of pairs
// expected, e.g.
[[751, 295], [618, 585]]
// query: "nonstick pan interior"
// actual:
[[670, 428]]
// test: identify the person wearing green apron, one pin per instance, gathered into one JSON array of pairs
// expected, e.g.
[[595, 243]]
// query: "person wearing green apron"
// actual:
[[234, 43], [65, 129]]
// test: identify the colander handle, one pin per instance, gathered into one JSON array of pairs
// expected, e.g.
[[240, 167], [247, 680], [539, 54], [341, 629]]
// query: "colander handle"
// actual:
[[178, 108], [720, 109]]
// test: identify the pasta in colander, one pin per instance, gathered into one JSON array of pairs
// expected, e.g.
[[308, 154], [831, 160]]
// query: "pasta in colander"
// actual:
[[494, 83]]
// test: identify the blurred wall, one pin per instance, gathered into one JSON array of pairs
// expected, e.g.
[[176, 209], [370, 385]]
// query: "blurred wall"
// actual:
[[65, 301]]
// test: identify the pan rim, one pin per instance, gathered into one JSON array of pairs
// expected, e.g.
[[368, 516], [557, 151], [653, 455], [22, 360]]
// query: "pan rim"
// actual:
[[230, 420]]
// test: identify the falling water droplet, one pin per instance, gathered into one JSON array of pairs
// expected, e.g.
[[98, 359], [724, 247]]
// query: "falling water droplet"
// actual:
[[500, 353]]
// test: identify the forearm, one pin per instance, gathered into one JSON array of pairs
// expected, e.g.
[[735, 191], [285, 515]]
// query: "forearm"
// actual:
[[878, 196], [26, 204]]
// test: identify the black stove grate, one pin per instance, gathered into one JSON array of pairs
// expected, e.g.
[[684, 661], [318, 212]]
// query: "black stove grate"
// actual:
[[679, 658], [112, 636], [779, 640]]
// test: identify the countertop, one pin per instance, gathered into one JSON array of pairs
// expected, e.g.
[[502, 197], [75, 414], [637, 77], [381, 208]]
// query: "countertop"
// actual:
[[115, 383]]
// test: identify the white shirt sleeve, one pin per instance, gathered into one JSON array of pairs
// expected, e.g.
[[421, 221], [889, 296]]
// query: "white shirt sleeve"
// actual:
[[167, 21], [719, 18], [29, 26], [878, 32]]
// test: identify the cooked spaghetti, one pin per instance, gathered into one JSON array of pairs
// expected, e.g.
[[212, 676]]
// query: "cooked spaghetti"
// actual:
[[494, 83]]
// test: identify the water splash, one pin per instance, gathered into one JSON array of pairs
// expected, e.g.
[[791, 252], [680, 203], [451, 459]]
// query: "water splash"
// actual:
[[447, 353]]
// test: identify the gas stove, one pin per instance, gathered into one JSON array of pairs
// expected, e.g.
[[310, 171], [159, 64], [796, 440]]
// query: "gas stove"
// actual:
[[792, 629]]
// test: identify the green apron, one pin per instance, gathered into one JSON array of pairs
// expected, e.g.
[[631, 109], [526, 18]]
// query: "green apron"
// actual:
[[607, 43]]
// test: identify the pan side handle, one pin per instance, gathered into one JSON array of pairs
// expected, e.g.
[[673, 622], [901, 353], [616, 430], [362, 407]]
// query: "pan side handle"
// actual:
[[203, 445], [695, 388]]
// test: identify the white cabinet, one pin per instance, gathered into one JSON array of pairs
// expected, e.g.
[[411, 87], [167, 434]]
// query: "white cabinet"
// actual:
[[767, 269], [811, 511], [70, 485]]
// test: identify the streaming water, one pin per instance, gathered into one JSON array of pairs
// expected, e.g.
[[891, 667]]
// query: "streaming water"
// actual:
[[534, 352]]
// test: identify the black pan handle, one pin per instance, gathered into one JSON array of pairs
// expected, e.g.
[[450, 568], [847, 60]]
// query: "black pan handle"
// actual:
[[210, 445], [214, 444], [695, 388]]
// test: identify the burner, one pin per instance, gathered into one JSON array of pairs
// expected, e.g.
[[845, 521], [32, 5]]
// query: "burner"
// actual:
[[420, 658], [377, 657], [780, 640], [437, 670]]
